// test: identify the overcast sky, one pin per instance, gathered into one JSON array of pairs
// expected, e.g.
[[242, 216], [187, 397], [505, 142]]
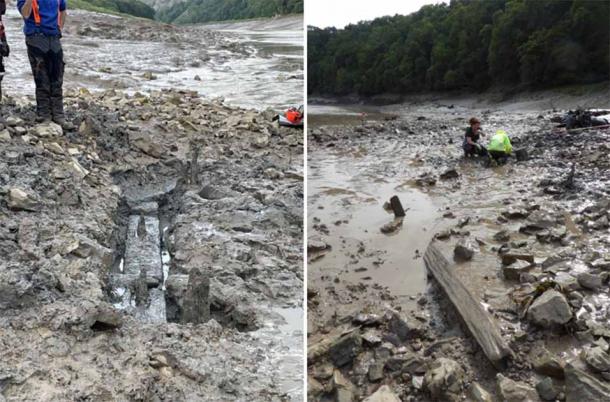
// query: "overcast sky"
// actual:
[[339, 13]]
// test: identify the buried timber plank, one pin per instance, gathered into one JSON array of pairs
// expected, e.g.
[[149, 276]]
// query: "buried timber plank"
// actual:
[[479, 323]]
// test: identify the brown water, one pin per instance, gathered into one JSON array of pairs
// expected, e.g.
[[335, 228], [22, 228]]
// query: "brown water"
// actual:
[[347, 193], [349, 183]]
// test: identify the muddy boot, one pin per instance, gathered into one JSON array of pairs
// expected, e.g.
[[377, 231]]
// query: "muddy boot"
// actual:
[[43, 119], [65, 124], [57, 108], [43, 109]]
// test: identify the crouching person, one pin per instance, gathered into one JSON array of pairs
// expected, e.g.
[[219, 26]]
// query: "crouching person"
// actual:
[[43, 23], [499, 147]]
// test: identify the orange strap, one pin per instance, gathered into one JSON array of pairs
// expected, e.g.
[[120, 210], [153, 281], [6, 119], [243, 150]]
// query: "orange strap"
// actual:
[[36, 12]]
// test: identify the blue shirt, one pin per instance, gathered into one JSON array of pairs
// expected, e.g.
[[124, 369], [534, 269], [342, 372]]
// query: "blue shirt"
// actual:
[[49, 17]]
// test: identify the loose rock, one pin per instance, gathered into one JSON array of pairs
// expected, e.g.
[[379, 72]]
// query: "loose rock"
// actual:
[[550, 309]]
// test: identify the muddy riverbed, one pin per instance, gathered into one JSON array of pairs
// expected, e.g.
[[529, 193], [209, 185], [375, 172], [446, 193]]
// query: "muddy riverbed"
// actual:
[[155, 251], [253, 64], [376, 318]]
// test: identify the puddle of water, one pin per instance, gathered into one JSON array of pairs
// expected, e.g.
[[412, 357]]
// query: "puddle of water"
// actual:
[[344, 114], [354, 218], [283, 333]]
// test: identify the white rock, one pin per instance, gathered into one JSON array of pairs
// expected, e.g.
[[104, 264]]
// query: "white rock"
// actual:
[[550, 309], [5, 135], [383, 394], [48, 130], [19, 199], [55, 148]]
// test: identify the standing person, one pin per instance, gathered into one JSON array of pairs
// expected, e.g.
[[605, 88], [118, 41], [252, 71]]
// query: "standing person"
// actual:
[[471, 137], [43, 24], [4, 49]]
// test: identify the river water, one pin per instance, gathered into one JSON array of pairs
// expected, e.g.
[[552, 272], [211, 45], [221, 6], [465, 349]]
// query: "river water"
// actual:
[[254, 64]]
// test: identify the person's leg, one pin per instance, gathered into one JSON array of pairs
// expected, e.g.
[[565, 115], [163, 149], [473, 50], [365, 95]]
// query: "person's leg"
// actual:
[[37, 58], [1, 75], [482, 151], [499, 156], [56, 75]]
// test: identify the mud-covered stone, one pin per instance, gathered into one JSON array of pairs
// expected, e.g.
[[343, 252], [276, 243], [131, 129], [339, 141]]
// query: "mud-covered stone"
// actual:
[[547, 364], [196, 302], [514, 271], [403, 327], [383, 394], [478, 394], [375, 372], [105, 317], [546, 389], [19, 199], [597, 359], [516, 391], [345, 349], [502, 236], [464, 250], [511, 256], [549, 310], [445, 379], [590, 281], [48, 130], [449, 174], [580, 386]]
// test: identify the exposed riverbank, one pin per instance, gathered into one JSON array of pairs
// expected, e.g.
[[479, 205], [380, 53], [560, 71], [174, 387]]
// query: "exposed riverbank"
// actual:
[[155, 252], [388, 324]]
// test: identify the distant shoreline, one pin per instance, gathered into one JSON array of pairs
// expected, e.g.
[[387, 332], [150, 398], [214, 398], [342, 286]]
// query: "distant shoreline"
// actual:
[[573, 96]]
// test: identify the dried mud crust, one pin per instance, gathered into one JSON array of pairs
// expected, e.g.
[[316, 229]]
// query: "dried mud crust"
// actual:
[[552, 208], [63, 200]]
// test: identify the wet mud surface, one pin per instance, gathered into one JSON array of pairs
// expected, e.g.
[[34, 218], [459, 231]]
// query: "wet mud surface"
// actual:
[[256, 64], [155, 251], [376, 318]]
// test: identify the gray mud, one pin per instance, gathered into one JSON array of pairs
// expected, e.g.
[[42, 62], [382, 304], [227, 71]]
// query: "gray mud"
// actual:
[[370, 300], [258, 64], [154, 252]]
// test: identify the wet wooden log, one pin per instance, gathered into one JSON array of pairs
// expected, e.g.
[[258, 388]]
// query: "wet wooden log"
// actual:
[[399, 211], [477, 320]]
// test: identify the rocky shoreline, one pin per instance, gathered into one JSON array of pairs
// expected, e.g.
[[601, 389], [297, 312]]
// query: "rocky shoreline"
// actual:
[[217, 189], [533, 237]]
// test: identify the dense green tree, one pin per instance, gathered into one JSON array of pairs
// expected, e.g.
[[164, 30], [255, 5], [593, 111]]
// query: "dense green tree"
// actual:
[[196, 11], [131, 7], [468, 44]]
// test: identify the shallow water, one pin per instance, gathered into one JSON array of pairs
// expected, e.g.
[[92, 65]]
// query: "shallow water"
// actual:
[[352, 192], [282, 333]]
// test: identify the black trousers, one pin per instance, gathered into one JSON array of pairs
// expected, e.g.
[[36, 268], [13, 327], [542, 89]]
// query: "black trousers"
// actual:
[[47, 62], [499, 156], [471, 150], [1, 74]]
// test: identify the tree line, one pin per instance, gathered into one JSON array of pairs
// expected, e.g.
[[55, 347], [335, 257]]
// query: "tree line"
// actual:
[[197, 11], [131, 7], [465, 45]]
